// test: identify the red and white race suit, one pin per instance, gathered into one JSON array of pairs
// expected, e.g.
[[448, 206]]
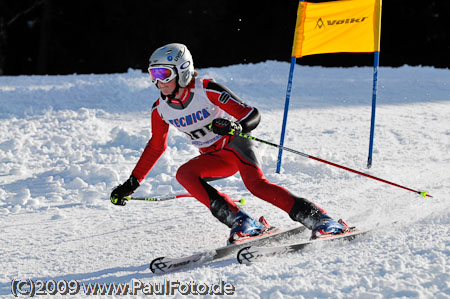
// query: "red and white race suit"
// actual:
[[221, 156]]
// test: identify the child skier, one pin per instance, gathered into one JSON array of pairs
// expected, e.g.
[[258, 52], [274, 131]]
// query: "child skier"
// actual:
[[208, 113]]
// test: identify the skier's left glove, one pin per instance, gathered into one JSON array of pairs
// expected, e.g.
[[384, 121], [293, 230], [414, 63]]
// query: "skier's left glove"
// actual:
[[224, 127], [127, 188]]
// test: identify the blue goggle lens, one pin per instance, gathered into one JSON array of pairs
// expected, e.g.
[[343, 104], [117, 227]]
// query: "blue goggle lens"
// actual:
[[162, 74]]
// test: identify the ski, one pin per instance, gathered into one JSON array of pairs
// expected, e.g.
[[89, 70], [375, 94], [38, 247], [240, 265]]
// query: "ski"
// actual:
[[167, 264], [250, 254]]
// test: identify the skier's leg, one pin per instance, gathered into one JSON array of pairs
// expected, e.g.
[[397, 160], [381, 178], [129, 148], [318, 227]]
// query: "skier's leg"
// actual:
[[298, 208], [194, 174]]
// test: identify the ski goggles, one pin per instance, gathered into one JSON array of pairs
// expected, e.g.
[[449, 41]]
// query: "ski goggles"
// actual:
[[162, 73]]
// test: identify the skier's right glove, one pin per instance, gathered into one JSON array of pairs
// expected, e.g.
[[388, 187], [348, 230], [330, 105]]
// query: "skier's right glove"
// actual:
[[225, 127], [127, 188]]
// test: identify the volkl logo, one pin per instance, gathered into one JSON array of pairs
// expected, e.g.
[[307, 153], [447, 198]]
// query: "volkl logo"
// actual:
[[346, 21], [321, 24]]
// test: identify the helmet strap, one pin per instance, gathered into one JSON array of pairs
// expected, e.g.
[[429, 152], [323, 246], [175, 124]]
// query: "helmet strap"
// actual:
[[174, 93], [177, 86], [176, 90]]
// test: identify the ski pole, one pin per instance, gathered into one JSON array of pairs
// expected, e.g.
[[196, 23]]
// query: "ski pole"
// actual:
[[164, 198], [424, 194]]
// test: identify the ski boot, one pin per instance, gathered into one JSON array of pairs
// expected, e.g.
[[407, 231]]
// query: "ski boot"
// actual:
[[327, 226], [245, 227]]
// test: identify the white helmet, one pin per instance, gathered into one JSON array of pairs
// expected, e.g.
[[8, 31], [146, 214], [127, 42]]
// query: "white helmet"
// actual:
[[176, 57]]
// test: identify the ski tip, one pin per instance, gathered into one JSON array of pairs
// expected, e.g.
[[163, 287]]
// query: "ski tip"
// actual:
[[244, 256], [157, 266]]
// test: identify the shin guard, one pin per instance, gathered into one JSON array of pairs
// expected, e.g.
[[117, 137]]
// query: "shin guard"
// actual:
[[305, 212], [219, 206]]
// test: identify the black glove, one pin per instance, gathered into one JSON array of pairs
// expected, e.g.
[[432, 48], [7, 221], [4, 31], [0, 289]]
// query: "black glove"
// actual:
[[127, 188], [224, 127]]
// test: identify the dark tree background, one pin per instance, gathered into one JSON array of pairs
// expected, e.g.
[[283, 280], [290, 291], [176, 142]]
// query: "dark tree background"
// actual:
[[100, 36]]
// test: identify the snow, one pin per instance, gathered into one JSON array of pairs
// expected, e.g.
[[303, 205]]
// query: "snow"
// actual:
[[66, 141]]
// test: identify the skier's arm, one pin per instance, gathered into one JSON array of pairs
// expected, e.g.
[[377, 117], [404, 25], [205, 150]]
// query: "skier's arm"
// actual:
[[155, 147], [251, 121], [247, 117]]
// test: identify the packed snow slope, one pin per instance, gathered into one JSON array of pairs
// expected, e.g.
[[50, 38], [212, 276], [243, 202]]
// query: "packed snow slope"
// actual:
[[66, 141]]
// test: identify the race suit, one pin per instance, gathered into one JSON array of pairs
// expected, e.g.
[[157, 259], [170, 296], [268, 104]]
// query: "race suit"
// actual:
[[202, 101]]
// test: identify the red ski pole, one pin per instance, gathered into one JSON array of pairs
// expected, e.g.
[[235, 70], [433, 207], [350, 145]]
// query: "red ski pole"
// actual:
[[424, 194]]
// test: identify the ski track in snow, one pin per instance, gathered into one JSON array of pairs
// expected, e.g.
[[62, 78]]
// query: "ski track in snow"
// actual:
[[66, 141]]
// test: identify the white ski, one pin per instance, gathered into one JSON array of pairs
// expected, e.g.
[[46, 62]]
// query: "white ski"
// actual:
[[250, 254], [167, 264]]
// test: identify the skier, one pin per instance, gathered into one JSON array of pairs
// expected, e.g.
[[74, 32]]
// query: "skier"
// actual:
[[211, 115]]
